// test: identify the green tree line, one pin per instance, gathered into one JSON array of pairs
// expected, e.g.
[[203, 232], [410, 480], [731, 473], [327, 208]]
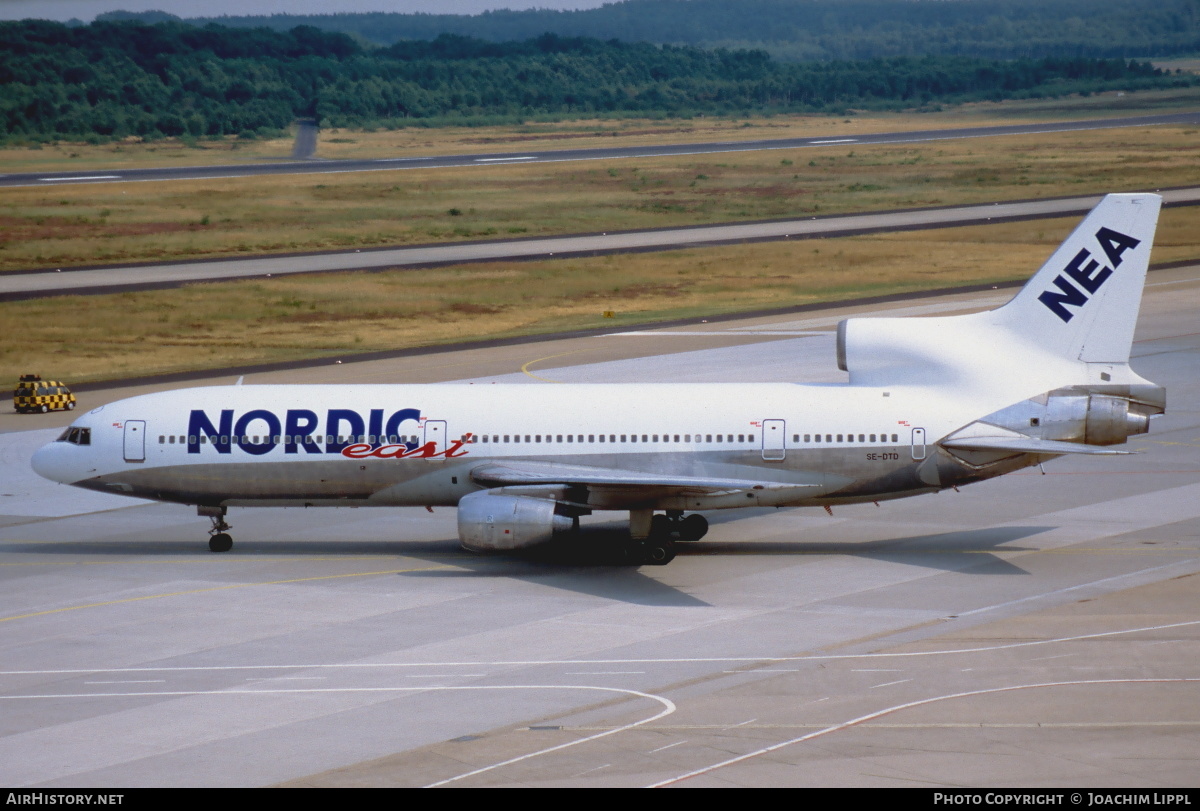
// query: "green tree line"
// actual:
[[115, 79], [818, 29]]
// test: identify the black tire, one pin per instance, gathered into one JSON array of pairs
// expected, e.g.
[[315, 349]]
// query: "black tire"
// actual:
[[220, 542], [693, 528], [658, 551], [70, 406], [661, 526], [44, 408]]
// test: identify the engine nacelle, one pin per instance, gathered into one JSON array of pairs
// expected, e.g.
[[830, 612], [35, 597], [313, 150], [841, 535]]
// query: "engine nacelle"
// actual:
[[488, 522], [1076, 415]]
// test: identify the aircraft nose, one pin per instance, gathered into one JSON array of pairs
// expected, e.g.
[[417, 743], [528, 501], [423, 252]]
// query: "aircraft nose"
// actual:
[[53, 461]]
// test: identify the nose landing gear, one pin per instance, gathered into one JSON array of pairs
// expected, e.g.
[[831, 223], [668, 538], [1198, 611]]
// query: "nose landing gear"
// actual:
[[219, 540]]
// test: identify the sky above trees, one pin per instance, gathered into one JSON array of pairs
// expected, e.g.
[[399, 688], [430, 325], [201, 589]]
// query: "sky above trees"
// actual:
[[86, 10]]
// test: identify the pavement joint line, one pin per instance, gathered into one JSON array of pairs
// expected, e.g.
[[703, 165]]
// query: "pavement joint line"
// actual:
[[226, 587]]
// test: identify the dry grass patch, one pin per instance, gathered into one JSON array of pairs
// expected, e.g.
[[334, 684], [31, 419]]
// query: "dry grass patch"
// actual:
[[220, 325], [114, 223]]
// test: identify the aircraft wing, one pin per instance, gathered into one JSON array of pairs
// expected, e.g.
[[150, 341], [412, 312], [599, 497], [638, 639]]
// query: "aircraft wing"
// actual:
[[1028, 445], [517, 474]]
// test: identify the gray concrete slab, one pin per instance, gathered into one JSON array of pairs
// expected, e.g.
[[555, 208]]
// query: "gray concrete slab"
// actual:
[[1031, 630]]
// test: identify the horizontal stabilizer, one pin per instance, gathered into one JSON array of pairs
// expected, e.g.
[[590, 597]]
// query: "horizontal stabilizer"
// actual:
[[1029, 445]]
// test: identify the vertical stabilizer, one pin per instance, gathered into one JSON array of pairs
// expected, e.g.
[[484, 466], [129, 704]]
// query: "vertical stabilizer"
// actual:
[[1083, 303]]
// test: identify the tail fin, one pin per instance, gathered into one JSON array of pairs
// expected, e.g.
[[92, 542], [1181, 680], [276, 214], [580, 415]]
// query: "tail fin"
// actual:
[[1071, 324], [1083, 303]]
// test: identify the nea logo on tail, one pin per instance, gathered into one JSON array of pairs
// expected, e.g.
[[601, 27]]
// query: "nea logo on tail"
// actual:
[[1087, 273]]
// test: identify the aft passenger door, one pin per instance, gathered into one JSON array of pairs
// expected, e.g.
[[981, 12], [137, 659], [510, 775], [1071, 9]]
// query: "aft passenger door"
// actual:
[[774, 433], [918, 443], [135, 440]]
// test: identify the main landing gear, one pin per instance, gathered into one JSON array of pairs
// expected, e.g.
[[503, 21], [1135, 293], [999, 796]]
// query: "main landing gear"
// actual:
[[660, 533], [689, 529], [219, 540]]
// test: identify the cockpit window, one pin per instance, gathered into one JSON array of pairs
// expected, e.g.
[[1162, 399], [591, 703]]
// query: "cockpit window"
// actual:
[[76, 436]]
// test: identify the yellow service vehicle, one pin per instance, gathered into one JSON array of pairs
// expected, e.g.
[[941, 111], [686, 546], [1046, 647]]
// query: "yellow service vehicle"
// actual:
[[34, 394]]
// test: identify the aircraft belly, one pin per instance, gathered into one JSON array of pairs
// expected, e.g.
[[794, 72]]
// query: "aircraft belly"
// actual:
[[337, 480], [805, 476]]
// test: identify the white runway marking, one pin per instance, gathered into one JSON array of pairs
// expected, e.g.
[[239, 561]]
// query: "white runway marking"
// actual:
[[542, 662], [897, 708], [710, 333], [74, 179], [668, 746], [130, 681], [890, 683]]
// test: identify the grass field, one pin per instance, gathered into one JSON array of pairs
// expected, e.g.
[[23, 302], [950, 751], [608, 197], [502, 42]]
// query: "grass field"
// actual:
[[112, 223], [219, 325]]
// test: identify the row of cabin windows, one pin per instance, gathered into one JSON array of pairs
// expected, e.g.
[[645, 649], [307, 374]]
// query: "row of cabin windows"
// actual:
[[609, 438], [256, 439], [848, 438], [469, 438], [514, 438]]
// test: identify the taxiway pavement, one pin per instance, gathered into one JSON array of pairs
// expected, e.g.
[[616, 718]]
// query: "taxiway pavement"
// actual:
[[304, 165]]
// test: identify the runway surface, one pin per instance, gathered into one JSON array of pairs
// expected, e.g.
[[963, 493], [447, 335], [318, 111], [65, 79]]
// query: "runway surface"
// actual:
[[553, 156], [19, 285], [1028, 631]]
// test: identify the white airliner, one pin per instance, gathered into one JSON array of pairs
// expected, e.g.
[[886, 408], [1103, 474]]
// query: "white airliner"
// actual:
[[932, 403]]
